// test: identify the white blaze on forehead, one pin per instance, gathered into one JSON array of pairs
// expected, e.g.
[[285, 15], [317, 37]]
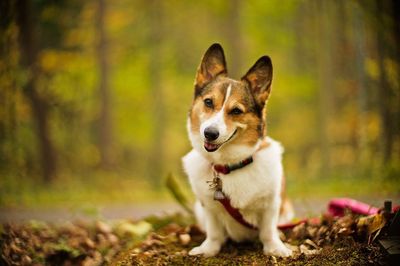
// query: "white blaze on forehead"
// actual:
[[228, 93], [218, 120]]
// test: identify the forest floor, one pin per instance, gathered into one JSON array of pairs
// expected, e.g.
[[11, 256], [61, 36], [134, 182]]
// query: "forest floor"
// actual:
[[154, 234], [166, 240], [328, 243]]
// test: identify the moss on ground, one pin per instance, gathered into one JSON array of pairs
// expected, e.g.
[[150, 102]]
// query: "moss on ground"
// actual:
[[332, 247], [167, 241], [344, 253]]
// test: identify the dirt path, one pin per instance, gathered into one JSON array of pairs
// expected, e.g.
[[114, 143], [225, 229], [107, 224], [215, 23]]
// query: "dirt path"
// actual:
[[110, 212], [303, 207]]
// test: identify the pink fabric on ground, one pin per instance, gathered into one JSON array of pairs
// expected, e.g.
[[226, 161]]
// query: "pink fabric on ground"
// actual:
[[337, 207]]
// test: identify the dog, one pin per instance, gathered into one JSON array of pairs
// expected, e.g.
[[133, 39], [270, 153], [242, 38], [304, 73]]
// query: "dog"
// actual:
[[234, 169]]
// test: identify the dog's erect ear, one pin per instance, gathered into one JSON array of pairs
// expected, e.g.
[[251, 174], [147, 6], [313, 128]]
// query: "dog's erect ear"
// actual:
[[259, 78], [212, 65]]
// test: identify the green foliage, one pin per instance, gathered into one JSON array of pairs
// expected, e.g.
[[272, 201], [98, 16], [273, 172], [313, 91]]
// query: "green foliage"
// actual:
[[176, 189], [351, 125], [82, 193]]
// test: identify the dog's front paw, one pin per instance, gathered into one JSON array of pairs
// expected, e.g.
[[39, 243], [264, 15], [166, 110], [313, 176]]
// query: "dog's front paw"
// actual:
[[277, 249], [207, 249]]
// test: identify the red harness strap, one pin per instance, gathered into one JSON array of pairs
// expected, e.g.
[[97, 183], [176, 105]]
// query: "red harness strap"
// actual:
[[225, 201], [235, 213]]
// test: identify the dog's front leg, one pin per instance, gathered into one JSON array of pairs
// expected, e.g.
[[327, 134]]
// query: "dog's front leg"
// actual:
[[269, 235], [215, 236]]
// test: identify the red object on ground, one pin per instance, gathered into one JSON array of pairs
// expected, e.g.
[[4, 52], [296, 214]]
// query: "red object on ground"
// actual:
[[314, 220], [291, 225], [337, 207]]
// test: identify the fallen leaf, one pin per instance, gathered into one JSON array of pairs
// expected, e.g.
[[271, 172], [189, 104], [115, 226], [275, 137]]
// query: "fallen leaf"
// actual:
[[184, 239], [133, 229], [102, 227]]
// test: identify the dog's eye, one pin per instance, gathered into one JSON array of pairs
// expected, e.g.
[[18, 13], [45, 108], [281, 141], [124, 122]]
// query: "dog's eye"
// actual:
[[209, 103], [236, 111]]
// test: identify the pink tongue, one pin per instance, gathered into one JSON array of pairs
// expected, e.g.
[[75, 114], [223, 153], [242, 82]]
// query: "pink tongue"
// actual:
[[210, 146]]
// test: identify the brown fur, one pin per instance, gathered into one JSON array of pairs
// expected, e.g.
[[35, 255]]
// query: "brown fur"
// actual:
[[250, 95], [241, 98]]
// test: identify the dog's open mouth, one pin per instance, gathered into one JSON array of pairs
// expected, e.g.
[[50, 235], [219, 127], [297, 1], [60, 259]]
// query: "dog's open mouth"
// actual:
[[211, 147]]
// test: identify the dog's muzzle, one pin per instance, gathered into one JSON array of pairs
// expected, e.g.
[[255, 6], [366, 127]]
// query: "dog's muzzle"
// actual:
[[211, 133]]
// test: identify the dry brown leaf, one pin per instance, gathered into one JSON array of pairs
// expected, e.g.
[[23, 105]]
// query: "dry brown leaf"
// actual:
[[184, 239], [102, 227], [371, 223], [311, 243]]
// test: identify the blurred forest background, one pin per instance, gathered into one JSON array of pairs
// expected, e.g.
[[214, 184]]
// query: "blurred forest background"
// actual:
[[94, 94]]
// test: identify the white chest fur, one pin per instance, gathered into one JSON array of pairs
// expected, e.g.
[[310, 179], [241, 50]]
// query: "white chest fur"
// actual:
[[251, 189]]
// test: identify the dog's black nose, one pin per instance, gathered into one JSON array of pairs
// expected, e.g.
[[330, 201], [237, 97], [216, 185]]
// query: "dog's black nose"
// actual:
[[211, 133]]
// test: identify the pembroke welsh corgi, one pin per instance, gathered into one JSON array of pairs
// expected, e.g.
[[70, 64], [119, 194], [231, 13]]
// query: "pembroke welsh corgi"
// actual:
[[234, 169]]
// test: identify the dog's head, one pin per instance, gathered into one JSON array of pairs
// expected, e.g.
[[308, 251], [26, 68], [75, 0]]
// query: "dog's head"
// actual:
[[226, 120]]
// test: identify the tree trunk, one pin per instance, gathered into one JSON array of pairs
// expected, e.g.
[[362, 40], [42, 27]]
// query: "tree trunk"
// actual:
[[234, 39], [324, 61], [396, 31], [360, 55], [385, 93], [8, 143], [40, 111], [105, 127], [156, 64]]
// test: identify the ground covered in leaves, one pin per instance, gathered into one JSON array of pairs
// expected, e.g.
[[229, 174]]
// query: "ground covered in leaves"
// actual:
[[167, 240]]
